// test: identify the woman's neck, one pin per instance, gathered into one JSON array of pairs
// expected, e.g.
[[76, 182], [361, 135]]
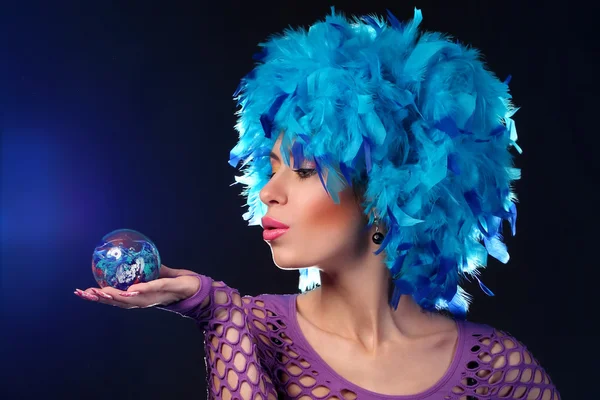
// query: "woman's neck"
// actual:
[[353, 304]]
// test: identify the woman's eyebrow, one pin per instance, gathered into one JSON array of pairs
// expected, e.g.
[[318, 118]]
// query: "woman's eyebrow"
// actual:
[[274, 156]]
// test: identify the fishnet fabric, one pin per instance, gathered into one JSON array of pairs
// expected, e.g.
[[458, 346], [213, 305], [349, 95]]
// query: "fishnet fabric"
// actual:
[[253, 352], [497, 366]]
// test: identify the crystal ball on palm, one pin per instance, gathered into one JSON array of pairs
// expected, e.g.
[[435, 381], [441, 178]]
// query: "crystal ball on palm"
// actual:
[[123, 258]]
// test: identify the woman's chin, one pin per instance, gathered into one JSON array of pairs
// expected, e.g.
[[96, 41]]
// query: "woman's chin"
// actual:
[[291, 260], [286, 263], [288, 266]]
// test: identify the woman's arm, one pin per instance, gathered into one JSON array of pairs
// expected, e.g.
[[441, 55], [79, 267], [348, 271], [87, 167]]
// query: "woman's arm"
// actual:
[[234, 370]]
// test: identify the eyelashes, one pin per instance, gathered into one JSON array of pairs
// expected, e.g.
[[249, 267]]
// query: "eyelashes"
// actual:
[[303, 173]]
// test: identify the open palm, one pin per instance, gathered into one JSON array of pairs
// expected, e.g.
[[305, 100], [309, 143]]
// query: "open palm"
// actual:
[[171, 286]]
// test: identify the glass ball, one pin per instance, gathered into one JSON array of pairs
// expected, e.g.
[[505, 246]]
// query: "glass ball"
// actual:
[[123, 258]]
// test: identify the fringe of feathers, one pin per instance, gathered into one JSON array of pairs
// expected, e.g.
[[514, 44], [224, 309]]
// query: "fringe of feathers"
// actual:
[[418, 115]]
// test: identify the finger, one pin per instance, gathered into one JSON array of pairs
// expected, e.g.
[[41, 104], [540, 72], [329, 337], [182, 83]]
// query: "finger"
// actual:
[[169, 289], [92, 295], [154, 286], [140, 295], [101, 293], [116, 297], [120, 298], [132, 298], [101, 296], [85, 295], [118, 294]]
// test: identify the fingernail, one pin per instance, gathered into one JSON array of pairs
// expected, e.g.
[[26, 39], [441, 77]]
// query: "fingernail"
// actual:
[[129, 294], [86, 295], [101, 293]]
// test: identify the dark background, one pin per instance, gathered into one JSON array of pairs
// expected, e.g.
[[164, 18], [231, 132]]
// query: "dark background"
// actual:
[[119, 115]]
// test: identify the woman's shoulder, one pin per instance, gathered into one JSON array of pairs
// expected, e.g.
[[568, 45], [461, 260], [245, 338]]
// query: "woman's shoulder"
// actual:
[[484, 339], [269, 308], [494, 362], [494, 346]]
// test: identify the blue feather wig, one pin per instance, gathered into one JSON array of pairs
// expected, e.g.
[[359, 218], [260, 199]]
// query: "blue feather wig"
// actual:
[[414, 118]]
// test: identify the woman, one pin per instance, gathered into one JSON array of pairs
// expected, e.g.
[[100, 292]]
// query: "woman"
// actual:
[[377, 160]]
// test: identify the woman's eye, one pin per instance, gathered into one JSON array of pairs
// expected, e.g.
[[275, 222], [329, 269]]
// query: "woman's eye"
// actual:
[[273, 171], [304, 173]]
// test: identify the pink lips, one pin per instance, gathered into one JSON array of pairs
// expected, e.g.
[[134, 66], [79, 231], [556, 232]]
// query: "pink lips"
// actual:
[[273, 228]]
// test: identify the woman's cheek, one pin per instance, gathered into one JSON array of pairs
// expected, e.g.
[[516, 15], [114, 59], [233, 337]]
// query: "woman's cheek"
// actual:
[[326, 214]]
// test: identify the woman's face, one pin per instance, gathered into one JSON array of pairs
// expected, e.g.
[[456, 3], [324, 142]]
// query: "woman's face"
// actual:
[[321, 233]]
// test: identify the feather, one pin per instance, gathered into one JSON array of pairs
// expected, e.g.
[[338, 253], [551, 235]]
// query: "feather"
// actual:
[[367, 153], [261, 55], [499, 130], [266, 120], [496, 248], [372, 23], [346, 172], [513, 218], [484, 288], [297, 154], [416, 117], [448, 125], [309, 279], [453, 163], [394, 21]]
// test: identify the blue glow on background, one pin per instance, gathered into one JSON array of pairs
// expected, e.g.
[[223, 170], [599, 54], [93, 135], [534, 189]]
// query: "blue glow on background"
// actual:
[[38, 202], [119, 115]]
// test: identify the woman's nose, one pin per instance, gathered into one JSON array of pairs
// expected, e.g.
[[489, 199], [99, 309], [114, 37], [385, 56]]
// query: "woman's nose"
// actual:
[[274, 191]]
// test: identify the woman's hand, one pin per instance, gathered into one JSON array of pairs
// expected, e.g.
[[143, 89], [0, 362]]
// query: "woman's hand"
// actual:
[[171, 286]]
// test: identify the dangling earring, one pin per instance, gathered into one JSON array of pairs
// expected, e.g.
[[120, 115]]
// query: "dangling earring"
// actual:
[[377, 236]]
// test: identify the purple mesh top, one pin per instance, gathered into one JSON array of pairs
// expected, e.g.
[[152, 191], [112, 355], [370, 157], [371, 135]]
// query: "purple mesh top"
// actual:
[[255, 350]]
